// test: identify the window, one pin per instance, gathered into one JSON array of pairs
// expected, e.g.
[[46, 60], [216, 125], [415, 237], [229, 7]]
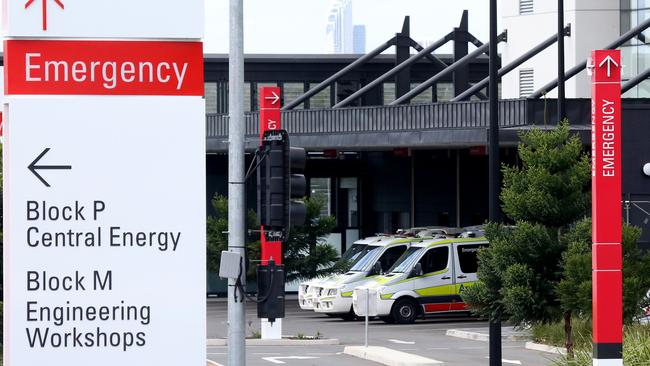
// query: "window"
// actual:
[[436, 259], [525, 6], [425, 97], [322, 187], [445, 91], [210, 90], [390, 256], [247, 97], [526, 82], [389, 93], [320, 100], [468, 257], [292, 91]]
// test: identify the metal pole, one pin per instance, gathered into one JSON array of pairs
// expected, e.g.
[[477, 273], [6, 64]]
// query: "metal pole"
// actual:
[[236, 194], [511, 66], [561, 110], [635, 81], [394, 71], [581, 66], [326, 83], [495, 321], [367, 310], [451, 68]]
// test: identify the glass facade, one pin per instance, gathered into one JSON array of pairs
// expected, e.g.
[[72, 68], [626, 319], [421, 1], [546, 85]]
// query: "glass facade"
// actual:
[[635, 52], [292, 91], [320, 100]]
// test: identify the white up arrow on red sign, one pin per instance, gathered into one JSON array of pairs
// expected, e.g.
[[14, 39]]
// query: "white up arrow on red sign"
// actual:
[[609, 61]]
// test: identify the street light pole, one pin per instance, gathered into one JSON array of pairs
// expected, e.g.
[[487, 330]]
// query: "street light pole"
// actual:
[[236, 193], [561, 105], [495, 321]]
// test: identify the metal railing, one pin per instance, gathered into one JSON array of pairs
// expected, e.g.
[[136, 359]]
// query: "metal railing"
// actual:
[[413, 117]]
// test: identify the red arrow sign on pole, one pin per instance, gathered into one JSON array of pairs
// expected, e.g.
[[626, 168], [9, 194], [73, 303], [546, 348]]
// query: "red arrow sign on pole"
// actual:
[[57, 2]]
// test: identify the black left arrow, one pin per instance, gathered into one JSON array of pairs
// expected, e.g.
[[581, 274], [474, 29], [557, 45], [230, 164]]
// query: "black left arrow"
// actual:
[[33, 167]]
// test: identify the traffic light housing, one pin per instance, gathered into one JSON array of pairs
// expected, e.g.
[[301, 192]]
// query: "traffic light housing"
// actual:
[[279, 183]]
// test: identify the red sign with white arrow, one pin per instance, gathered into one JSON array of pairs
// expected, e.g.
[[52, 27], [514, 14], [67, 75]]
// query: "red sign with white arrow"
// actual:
[[606, 204], [270, 120], [269, 109]]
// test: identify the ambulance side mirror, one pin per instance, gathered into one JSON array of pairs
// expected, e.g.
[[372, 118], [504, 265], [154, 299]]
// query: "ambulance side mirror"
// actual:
[[416, 271], [376, 269]]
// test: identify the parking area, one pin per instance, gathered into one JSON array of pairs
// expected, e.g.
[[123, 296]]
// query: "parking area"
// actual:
[[425, 338]]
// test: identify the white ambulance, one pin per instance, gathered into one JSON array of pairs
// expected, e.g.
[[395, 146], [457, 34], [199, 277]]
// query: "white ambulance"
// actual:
[[349, 258], [334, 296], [428, 278]]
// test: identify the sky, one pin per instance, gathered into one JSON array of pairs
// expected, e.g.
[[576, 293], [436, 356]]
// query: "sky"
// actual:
[[298, 26]]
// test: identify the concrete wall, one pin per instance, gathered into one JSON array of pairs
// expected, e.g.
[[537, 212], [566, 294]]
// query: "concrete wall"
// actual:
[[594, 23]]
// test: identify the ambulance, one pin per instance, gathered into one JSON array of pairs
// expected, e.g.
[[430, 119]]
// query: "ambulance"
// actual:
[[427, 279], [334, 296], [350, 257]]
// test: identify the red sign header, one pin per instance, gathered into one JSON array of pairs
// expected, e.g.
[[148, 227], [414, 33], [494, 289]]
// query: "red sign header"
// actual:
[[606, 146], [270, 104], [103, 68]]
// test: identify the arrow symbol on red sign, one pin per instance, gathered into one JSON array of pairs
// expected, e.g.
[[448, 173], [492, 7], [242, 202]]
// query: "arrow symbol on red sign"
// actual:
[[609, 61], [57, 2], [275, 98]]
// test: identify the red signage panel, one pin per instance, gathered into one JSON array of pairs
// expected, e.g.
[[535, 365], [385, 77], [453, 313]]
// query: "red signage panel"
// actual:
[[103, 68], [606, 162], [270, 119], [606, 204], [270, 97], [270, 104]]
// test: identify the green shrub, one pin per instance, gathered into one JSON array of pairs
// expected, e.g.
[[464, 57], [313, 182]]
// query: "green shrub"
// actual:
[[636, 348], [553, 334]]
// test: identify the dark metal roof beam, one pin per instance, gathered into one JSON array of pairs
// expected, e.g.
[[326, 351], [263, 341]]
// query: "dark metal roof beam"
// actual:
[[441, 42], [635, 81], [431, 57], [511, 66], [581, 66], [476, 42], [318, 88], [434, 79]]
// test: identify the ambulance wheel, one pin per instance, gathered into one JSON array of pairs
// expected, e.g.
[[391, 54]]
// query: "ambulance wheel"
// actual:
[[387, 319], [349, 316], [404, 311]]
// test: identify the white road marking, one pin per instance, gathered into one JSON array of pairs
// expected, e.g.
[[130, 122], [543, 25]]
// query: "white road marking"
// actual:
[[400, 342], [214, 363], [276, 360], [514, 362]]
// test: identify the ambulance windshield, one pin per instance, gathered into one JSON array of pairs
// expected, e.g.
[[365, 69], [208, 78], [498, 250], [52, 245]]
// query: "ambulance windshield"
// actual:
[[407, 260]]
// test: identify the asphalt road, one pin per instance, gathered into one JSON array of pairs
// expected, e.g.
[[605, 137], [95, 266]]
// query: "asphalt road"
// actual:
[[425, 338]]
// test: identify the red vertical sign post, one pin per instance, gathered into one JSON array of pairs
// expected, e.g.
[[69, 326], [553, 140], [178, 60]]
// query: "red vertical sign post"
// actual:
[[269, 121], [606, 213]]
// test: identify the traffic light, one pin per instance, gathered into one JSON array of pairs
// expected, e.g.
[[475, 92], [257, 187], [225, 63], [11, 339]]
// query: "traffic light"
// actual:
[[279, 183]]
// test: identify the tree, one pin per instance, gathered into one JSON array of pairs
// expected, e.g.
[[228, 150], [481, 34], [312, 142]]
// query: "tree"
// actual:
[[306, 253], [217, 237], [548, 192], [574, 290]]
